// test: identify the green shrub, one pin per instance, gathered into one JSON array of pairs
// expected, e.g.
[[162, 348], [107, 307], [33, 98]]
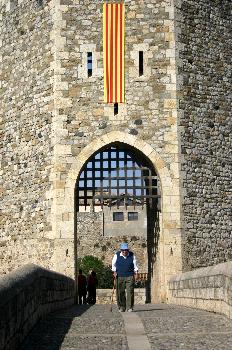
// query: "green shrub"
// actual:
[[104, 273]]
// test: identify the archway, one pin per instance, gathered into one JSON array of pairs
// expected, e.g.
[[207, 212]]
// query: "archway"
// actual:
[[168, 252], [117, 198]]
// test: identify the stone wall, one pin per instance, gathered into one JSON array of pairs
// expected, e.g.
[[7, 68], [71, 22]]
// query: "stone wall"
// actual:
[[149, 111], [130, 227], [147, 121], [104, 296], [26, 295], [54, 118], [207, 288], [26, 146], [205, 104], [70, 120], [91, 241]]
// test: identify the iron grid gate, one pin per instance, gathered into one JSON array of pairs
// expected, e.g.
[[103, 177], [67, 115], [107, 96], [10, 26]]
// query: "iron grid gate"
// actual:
[[116, 176]]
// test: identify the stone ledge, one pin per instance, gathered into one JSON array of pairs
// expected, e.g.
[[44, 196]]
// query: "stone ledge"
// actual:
[[26, 295], [104, 296], [208, 288]]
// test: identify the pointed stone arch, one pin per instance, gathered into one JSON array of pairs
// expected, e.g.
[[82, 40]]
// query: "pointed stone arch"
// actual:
[[118, 136], [169, 254]]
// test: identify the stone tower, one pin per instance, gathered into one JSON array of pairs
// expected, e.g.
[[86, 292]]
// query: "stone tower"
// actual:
[[175, 118]]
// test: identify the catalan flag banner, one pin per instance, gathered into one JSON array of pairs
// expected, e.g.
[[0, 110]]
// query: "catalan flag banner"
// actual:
[[113, 46]]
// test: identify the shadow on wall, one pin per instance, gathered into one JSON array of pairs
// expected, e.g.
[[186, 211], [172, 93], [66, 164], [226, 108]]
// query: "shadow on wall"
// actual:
[[153, 235], [27, 295]]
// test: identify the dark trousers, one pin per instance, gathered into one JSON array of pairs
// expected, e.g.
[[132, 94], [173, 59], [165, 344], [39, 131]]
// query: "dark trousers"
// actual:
[[92, 295], [125, 292]]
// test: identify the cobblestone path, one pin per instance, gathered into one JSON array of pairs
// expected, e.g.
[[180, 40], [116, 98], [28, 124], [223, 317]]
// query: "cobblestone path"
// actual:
[[161, 327]]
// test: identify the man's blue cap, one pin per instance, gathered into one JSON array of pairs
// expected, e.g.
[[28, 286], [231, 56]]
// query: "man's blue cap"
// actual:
[[124, 246]]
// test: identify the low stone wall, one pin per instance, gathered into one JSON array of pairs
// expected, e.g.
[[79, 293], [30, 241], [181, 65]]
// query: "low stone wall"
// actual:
[[208, 288], [26, 295], [104, 296]]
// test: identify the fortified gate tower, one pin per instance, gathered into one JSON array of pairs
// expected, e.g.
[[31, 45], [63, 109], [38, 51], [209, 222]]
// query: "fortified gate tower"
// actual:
[[115, 119]]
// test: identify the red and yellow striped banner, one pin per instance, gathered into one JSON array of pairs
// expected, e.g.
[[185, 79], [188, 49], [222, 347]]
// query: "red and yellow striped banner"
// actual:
[[113, 46]]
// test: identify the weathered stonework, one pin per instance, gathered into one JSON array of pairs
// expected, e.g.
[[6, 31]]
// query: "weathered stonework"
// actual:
[[207, 288], [104, 296], [26, 122], [205, 119], [27, 295], [54, 119]]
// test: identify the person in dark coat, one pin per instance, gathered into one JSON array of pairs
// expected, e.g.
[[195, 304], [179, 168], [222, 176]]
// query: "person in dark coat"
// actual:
[[82, 283], [92, 283]]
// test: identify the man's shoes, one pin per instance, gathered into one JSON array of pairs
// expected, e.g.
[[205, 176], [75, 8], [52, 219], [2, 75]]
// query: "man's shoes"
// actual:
[[121, 309], [130, 310]]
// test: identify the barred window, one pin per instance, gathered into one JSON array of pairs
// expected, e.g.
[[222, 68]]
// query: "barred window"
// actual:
[[118, 216], [133, 216], [90, 64], [140, 63]]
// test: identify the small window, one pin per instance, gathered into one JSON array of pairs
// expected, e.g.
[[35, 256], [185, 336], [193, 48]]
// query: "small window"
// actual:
[[115, 108], [118, 216], [140, 63], [133, 216], [90, 64]]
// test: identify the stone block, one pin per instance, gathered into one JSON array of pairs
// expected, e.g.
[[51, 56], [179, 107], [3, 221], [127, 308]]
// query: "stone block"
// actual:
[[170, 104]]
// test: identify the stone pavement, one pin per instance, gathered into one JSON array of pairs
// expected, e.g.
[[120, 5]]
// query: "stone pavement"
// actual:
[[160, 326]]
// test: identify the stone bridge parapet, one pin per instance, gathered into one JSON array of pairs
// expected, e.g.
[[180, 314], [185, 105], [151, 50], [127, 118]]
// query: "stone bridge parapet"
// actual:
[[26, 295], [208, 288]]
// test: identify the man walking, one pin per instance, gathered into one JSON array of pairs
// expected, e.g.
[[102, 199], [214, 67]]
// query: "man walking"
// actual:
[[125, 269]]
